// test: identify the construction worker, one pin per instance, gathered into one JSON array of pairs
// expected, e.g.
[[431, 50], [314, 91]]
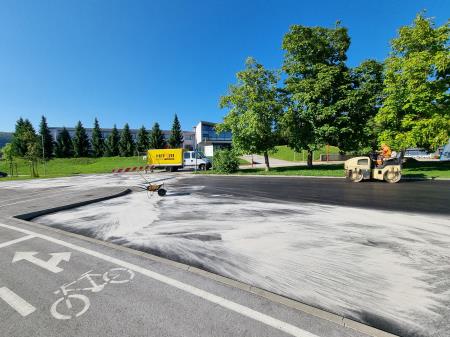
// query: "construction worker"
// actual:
[[384, 153]]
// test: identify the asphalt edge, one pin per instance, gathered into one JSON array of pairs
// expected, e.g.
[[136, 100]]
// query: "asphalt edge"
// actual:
[[294, 304], [306, 177]]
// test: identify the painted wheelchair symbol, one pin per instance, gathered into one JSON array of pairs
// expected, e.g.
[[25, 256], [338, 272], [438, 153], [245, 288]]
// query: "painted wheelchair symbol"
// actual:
[[72, 304]]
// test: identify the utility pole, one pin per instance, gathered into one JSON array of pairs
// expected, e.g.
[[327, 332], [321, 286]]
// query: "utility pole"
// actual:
[[43, 154], [196, 149]]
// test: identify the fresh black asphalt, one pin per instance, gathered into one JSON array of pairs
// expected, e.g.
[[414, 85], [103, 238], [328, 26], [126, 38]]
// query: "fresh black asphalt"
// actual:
[[407, 196]]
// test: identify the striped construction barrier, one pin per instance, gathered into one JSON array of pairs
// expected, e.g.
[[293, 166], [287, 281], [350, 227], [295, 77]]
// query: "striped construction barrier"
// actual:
[[132, 169]]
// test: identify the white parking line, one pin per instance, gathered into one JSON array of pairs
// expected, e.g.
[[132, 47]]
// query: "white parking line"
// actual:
[[9, 243], [30, 199], [238, 308], [28, 195], [16, 302]]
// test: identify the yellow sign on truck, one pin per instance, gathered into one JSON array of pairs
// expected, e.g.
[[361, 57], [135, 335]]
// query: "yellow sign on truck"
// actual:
[[165, 157], [174, 159]]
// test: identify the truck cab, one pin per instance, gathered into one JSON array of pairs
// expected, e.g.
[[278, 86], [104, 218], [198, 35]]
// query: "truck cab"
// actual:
[[196, 159]]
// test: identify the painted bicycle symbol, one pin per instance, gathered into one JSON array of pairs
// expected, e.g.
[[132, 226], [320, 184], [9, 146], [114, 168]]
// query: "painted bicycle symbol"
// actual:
[[72, 304]]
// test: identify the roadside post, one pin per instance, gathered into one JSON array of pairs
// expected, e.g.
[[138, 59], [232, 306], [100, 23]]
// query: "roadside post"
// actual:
[[196, 149], [43, 154]]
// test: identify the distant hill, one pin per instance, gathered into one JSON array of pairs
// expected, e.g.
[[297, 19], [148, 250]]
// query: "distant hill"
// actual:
[[5, 137]]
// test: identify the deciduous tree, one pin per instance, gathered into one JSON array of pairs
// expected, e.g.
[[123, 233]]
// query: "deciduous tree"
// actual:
[[317, 85], [416, 108], [8, 155], [19, 144], [357, 129], [254, 110], [32, 153]]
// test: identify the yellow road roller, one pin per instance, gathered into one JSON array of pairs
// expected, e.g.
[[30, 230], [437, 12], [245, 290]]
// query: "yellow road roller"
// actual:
[[358, 169]]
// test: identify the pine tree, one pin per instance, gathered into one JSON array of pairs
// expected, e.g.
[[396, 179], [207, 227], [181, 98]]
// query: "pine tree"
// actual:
[[80, 141], [46, 139], [157, 140], [126, 143], [176, 137], [26, 144], [23, 136], [112, 143], [98, 143], [64, 145], [142, 141], [18, 145]]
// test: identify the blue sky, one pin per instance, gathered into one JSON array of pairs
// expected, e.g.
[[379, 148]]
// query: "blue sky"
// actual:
[[143, 61]]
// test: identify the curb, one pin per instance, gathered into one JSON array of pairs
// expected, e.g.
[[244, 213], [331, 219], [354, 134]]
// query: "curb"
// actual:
[[263, 175], [309, 177], [291, 303], [35, 214]]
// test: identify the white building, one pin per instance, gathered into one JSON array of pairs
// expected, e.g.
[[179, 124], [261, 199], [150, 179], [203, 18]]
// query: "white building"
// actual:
[[208, 140]]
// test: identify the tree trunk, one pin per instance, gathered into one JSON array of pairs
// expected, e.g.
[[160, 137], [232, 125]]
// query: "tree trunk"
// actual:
[[310, 158], [266, 160]]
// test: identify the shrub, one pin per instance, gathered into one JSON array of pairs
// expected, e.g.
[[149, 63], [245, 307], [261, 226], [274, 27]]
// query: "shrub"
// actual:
[[225, 161]]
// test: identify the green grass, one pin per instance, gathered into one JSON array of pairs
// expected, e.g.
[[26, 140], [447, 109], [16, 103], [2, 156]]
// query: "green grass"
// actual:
[[242, 161], [428, 169], [60, 167], [334, 170], [286, 153], [73, 166]]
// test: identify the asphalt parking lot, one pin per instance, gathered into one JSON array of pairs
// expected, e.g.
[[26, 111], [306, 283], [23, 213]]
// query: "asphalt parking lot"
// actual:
[[54, 283], [58, 283]]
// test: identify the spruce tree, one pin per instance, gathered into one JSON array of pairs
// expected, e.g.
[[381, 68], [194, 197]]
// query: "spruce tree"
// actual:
[[46, 139], [64, 145], [98, 143], [23, 135], [25, 144], [176, 137], [18, 145], [126, 143], [80, 141], [112, 143], [157, 140], [142, 141]]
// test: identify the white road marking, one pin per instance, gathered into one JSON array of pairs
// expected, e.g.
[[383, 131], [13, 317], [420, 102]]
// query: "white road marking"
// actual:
[[38, 198], [50, 265], [238, 308], [16, 302], [9, 243], [82, 298], [28, 195], [113, 276]]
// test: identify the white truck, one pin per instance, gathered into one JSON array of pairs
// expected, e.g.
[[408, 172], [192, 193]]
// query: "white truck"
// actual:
[[174, 159]]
